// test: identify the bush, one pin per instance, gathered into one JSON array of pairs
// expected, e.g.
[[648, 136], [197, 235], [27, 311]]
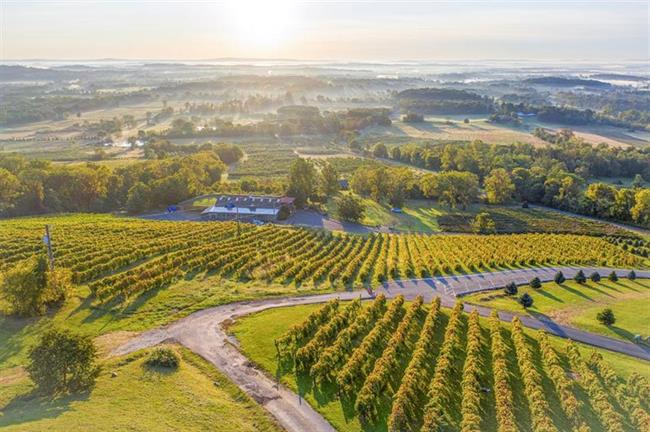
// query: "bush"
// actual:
[[580, 277], [30, 286], [63, 362], [631, 275], [535, 283], [612, 276], [526, 300], [511, 289], [350, 208], [283, 213], [483, 224], [559, 278], [164, 357], [606, 317], [595, 277]]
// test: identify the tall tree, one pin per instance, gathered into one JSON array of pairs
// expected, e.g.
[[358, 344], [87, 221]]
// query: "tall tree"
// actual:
[[499, 186], [329, 180], [302, 181]]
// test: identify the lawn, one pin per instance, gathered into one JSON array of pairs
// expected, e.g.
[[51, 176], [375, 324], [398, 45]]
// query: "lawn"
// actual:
[[193, 398], [256, 334], [155, 308], [577, 304], [429, 216]]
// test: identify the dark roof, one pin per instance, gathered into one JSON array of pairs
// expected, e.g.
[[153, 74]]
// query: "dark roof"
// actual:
[[249, 201]]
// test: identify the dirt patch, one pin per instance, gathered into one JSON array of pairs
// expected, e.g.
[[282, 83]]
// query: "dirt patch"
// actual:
[[13, 375], [108, 342]]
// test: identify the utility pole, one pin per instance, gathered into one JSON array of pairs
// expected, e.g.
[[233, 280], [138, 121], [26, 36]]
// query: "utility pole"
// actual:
[[48, 242]]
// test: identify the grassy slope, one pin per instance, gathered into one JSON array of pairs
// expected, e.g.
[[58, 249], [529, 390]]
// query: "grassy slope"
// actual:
[[430, 217], [257, 332], [151, 309], [195, 397], [577, 305]]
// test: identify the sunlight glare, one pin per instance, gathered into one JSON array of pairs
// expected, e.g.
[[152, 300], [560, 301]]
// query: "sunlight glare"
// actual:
[[260, 23]]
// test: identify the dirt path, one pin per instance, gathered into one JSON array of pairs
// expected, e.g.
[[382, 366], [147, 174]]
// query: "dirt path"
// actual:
[[203, 333]]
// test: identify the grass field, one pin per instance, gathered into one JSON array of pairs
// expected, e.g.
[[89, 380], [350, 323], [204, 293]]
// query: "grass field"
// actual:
[[577, 304], [257, 333], [195, 397], [428, 216]]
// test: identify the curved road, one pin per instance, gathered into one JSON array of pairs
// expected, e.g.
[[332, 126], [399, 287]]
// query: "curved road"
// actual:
[[202, 332]]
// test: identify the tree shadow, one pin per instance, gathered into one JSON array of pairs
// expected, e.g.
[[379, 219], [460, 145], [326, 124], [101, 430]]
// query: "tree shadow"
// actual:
[[549, 295], [577, 292], [30, 407]]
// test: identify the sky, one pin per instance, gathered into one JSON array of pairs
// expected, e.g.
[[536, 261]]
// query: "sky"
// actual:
[[348, 31]]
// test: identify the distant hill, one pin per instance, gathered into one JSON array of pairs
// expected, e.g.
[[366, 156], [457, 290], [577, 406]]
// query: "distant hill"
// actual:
[[23, 73], [567, 82], [621, 77]]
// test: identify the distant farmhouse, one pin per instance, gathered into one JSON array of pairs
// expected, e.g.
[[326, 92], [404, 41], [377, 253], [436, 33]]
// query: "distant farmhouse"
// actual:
[[247, 208]]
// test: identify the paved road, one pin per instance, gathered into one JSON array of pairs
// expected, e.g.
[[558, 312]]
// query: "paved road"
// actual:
[[466, 284], [202, 332]]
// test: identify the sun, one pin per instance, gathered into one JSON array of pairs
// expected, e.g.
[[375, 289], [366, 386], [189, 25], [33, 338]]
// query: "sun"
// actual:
[[260, 23]]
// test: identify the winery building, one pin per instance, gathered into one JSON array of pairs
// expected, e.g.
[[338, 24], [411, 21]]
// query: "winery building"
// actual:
[[247, 208]]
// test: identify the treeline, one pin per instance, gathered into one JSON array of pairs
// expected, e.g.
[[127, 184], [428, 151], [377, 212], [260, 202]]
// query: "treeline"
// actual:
[[631, 119], [17, 109], [286, 123], [35, 186], [554, 176], [442, 101], [572, 155], [161, 149]]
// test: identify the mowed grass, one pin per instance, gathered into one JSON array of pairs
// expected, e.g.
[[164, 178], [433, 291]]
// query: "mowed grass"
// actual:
[[256, 334], [195, 397], [577, 304], [85, 315], [428, 216]]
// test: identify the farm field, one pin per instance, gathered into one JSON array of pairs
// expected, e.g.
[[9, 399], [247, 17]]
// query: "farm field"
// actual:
[[577, 304], [400, 365], [133, 274], [139, 398], [452, 128], [98, 250], [427, 216]]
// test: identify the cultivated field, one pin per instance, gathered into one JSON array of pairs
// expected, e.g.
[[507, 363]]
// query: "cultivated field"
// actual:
[[408, 366]]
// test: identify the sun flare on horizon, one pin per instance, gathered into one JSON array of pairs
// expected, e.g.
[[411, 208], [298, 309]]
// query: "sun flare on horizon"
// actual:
[[259, 23]]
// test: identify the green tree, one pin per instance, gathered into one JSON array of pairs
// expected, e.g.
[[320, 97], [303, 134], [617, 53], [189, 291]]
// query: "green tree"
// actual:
[[329, 180], [511, 289], [350, 208], [63, 362], [580, 277], [138, 198], [613, 276], [452, 188], [559, 278], [595, 277], [380, 150], [483, 224], [606, 317], [30, 286], [499, 186], [535, 283], [9, 189], [526, 300], [641, 210], [638, 182], [302, 181]]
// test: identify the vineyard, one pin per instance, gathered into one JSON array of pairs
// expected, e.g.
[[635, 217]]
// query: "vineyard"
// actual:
[[401, 366], [120, 257]]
